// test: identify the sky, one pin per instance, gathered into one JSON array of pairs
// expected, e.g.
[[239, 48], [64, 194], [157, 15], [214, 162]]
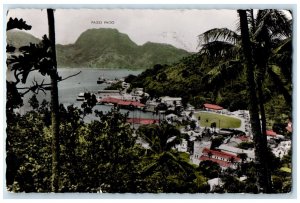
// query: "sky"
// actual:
[[179, 27]]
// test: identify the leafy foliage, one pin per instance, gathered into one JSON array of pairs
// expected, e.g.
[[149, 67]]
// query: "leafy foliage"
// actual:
[[17, 23], [246, 145], [101, 156], [164, 168], [209, 169]]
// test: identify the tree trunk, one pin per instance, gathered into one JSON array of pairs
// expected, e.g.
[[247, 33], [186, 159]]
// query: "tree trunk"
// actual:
[[54, 106], [260, 145], [264, 136]]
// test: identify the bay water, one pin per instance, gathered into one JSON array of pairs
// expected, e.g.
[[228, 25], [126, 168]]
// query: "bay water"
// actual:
[[86, 80]]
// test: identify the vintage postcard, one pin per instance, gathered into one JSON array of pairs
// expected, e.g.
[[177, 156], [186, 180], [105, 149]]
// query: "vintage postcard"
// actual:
[[192, 101]]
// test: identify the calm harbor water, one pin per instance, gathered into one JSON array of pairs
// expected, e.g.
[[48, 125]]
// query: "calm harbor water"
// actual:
[[85, 81]]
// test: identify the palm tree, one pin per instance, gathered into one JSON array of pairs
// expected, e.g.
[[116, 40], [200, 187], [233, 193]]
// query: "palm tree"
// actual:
[[268, 30], [54, 105], [259, 139], [160, 138], [270, 44], [162, 159], [271, 40]]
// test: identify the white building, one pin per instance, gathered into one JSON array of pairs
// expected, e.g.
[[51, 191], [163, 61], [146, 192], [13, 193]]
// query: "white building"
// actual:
[[125, 85], [183, 146], [198, 149], [170, 101], [236, 140], [224, 159], [282, 149], [108, 93], [214, 182]]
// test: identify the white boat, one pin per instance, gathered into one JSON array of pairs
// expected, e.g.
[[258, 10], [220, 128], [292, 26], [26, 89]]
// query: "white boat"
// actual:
[[80, 97]]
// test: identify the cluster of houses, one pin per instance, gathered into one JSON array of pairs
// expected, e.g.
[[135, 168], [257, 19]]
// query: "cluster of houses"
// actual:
[[228, 154], [199, 140]]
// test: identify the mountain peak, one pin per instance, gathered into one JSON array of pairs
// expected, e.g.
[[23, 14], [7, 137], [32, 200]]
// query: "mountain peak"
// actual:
[[106, 48], [19, 38]]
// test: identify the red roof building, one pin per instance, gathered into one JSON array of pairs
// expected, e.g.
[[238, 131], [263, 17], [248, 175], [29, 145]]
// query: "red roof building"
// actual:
[[271, 133], [224, 159], [109, 100], [243, 138], [121, 102], [223, 164], [143, 121], [212, 107], [289, 127]]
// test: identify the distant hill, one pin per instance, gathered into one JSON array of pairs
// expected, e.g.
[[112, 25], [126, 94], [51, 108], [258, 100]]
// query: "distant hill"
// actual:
[[20, 38], [108, 48]]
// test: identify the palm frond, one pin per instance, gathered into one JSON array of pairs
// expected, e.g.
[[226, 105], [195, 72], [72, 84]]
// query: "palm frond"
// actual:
[[218, 34], [149, 169], [285, 45], [173, 161], [282, 57], [280, 85], [274, 22], [219, 49]]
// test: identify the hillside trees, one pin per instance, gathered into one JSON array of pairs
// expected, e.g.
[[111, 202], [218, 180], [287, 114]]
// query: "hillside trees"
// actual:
[[164, 168], [34, 57], [270, 31], [226, 52]]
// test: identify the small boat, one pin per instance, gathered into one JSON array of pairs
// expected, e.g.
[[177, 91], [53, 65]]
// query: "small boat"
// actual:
[[80, 97], [100, 80]]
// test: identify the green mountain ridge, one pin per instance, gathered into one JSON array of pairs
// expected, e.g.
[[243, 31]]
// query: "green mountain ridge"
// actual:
[[107, 48], [20, 38]]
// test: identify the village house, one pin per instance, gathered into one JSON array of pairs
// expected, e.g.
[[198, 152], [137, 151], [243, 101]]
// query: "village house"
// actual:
[[171, 101], [198, 149], [139, 92], [171, 118], [273, 135], [108, 93], [224, 159], [213, 107], [289, 126], [125, 85], [282, 148], [236, 140], [183, 146], [213, 183]]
